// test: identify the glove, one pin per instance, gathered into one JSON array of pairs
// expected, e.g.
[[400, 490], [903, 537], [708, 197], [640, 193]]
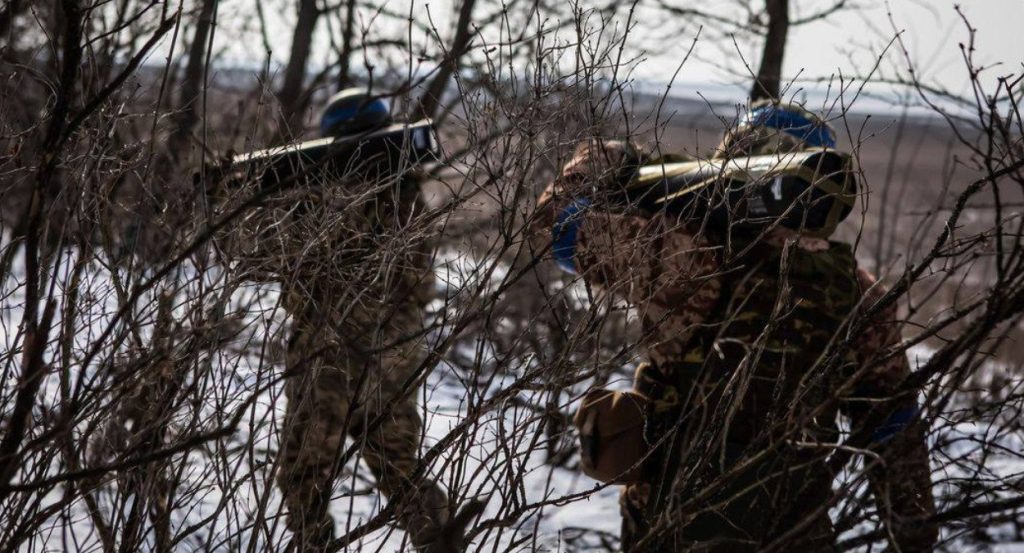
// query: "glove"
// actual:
[[450, 537], [602, 164], [598, 167], [611, 426]]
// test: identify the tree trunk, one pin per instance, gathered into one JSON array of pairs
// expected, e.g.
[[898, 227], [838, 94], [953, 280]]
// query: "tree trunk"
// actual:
[[8, 13], [769, 74], [293, 101], [431, 98], [192, 85], [344, 79]]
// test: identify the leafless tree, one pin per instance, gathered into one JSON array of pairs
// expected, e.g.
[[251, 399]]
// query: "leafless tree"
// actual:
[[142, 381]]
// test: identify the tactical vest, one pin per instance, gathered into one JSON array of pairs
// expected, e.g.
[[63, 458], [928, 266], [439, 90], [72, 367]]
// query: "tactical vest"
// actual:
[[763, 344]]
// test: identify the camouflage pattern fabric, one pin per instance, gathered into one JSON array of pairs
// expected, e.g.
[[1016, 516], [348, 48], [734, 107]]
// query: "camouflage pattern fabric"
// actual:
[[754, 140], [603, 163], [739, 386], [356, 297], [337, 392], [353, 260], [740, 392]]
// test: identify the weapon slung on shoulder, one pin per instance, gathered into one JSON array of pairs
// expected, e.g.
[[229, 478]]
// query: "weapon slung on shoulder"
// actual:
[[398, 147], [813, 190]]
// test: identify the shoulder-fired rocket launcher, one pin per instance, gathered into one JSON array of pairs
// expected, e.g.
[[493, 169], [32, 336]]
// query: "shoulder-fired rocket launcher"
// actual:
[[812, 190], [392, 149]]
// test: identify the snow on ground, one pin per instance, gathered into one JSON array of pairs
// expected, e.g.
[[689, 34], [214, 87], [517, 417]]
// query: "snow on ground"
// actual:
[[502, 457]]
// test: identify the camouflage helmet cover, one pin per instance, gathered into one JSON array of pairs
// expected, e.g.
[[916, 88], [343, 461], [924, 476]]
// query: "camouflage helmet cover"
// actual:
[[770, 127]]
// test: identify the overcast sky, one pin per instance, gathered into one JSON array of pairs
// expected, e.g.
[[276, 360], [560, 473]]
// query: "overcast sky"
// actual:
[[848, 41], [932, 32]]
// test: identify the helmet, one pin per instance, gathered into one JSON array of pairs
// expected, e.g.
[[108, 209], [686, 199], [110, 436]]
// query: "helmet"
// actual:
[[771, 127], [353, 111], [794, 121]]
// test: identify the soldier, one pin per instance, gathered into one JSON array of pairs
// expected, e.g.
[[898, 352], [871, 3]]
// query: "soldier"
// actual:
[[350, 250], [724, 443]]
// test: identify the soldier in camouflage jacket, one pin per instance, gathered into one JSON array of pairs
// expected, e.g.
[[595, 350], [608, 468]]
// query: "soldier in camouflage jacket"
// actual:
[[351, 252], [749, 361]]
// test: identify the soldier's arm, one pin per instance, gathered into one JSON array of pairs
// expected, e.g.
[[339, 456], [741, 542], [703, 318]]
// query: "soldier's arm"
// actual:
[[900, 477], [648, 259]]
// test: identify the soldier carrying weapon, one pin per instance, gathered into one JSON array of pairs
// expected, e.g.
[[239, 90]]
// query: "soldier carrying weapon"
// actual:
[[339, 228], [728, 441]]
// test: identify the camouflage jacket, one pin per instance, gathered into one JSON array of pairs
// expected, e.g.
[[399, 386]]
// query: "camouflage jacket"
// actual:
[[349, 253], [681, 285]]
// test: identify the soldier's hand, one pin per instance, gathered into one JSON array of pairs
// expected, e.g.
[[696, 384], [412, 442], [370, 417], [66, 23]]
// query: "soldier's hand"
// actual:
[[915, 536], [600, 165], [451, 537], [597, 167]]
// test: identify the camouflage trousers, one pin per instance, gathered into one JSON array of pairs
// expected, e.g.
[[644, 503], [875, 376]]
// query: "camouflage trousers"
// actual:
[[335, 392], [752, 512], [780, 497]]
